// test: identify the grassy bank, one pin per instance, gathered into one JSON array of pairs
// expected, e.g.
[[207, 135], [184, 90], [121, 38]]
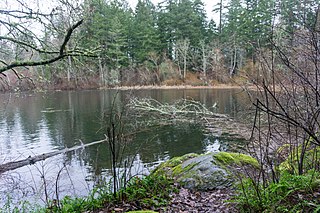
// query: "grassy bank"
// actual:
[[292, 193], [149, 192]]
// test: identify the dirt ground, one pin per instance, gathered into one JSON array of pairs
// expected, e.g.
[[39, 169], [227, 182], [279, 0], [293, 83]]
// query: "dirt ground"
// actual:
[[186, 201]]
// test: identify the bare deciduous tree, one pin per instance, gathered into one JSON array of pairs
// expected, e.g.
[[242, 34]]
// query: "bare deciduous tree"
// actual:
[[25, 40], [182, 47], [287, 107]]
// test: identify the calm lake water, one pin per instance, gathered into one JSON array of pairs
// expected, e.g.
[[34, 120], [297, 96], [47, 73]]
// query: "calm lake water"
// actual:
[[37, 123]]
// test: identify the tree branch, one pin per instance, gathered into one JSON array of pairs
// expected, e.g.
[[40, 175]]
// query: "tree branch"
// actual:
[[22, 14], [27, 45], [62, 52], [67, 37]]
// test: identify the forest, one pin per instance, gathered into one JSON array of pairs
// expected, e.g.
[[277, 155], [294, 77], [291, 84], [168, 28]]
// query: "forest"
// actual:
[[271, 46], [99, 43]]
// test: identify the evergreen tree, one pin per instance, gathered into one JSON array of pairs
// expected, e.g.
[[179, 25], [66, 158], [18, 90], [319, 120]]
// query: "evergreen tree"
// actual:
[[248, 26], [296, 14], [108, 26], [190, 21], [166, 28], [118, 22], [180, 21], [256, 26], [144, 35]]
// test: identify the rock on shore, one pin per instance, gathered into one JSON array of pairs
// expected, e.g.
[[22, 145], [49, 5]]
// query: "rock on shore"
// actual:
[[206, 171]]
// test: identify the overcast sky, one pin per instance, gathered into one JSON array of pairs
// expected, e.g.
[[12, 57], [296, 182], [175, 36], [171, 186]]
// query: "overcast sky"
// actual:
[[47, 5], [207, 3]]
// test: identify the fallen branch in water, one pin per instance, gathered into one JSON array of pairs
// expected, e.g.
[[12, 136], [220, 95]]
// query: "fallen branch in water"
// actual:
[[184, 110], [32, 160], [181, 108]]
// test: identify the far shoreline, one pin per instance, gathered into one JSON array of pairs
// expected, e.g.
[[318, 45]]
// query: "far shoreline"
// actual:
[[247, 87], [219, 86]]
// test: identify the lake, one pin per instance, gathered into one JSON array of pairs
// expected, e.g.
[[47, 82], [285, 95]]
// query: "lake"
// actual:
[[36, 123]]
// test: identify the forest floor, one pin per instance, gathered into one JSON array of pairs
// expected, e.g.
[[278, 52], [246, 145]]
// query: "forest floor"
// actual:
[[213, 201], [186, 201]]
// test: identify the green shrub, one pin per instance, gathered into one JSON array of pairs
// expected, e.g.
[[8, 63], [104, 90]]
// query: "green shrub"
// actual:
[[150, 191], [293, 193]]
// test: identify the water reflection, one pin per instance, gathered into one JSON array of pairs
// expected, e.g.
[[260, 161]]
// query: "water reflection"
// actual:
[[36, 123]]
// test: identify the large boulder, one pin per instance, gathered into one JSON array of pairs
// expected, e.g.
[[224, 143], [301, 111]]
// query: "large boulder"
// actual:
[[205, 172]]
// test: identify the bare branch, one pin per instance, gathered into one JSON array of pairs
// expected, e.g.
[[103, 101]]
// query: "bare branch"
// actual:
[[62, 53], [68, 36], [27, 45], [23, 14]]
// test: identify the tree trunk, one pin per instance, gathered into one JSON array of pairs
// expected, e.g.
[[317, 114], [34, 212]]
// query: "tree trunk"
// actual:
[[317, 56], [184, 66], [204, 60], [233, 61], [317, 22], [182, 47], [69, 71], [220, 18], [102, 78], [185, 48]]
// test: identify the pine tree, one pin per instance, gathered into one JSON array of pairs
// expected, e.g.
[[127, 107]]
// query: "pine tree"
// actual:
[[166, 28], [144, 35], [108, 26], [180, 21]]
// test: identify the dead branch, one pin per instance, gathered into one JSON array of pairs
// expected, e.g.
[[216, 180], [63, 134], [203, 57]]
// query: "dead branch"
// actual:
[[181, 107], [32, 160]]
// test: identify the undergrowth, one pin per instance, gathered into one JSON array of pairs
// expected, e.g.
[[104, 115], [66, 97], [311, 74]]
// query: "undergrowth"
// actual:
[[149, 192], [141, 193], [146, 192], [293, 193]]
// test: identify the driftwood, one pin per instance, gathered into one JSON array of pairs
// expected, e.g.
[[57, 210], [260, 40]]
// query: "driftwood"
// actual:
[[32, 160], [182, 108]]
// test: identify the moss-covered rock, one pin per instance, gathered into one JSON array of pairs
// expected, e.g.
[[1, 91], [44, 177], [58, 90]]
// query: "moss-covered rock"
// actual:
[[204, 172], [144, 211], [229, 159], [170, 165]]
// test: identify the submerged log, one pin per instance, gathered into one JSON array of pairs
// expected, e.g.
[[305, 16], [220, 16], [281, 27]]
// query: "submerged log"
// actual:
[[32, 160]]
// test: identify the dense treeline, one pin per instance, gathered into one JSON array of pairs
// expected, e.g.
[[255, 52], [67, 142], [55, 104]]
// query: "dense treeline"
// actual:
[[170, 43]]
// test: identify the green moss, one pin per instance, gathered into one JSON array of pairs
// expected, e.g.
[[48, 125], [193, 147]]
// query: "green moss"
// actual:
[[205, 171], [283, 148], [173, 164], [178, 170], [178, 160], [227, 158], [174, 167], [145, 211]]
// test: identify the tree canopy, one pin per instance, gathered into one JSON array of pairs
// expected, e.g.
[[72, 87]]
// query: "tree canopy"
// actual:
[[146, 44]]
